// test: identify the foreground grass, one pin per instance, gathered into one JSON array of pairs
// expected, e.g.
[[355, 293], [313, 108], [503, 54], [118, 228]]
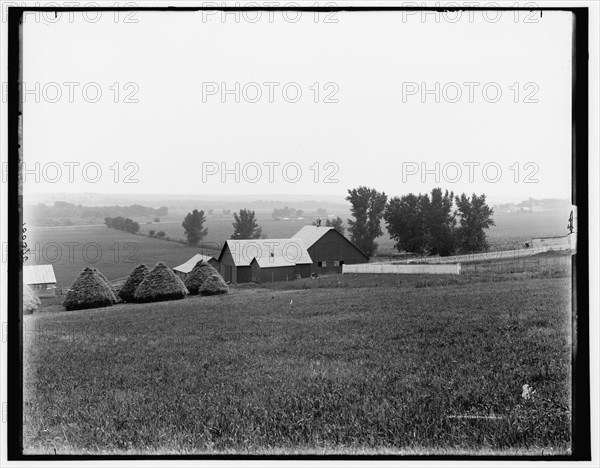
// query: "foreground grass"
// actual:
[[377, 369]]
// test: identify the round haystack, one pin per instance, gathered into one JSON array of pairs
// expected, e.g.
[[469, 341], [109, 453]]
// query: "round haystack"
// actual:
[[30, 300], [214, 284], [110, 286], [161, 284], [88, 291], [199, 274], [135, 278]]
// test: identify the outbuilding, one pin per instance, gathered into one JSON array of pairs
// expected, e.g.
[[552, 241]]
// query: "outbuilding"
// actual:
[[329, 249], [264, 260], [183, 270], [41, 279]]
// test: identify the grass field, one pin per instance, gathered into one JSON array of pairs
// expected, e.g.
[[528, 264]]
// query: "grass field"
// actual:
[[362, 364]]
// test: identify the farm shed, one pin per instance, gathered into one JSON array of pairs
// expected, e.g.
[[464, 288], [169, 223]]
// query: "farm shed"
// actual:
[[264, 260], [41, 279], [185, 268], [329, 250]]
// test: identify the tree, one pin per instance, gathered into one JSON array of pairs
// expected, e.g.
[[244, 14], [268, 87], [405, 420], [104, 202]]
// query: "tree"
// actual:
[[157, 220], [245, 226], [474, 217], [406, 224], [440, 222], [160, 234], [422, 224], [367, 208], [193, 225], [151, 232]]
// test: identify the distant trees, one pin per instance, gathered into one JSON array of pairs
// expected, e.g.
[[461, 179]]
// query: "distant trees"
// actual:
[[157, 220], [475, 216], [245, 225], [151, 232], [286, 212], [160, 234], [367, 208], [193, 226], [122, 224], [426, 224]]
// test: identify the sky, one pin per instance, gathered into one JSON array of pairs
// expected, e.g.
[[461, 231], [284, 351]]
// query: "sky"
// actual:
[[205, 103]]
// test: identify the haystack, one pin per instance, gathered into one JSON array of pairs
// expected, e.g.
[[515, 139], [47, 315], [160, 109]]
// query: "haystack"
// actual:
[[199, 274], [88, 291], [110, 286], [30, 300], [161, 284], [135, 278], [214, 284]]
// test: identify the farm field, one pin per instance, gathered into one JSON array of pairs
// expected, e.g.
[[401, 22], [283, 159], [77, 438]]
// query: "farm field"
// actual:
[[362, 364]]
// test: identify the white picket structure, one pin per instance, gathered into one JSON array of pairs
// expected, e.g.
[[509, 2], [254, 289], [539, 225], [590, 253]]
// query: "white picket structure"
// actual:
[[404, 269]]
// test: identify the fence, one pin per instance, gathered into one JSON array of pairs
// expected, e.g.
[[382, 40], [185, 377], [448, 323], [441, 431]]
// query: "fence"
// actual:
[[445, 269]]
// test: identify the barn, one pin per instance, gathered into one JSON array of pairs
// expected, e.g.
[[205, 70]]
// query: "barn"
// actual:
[[41, 279], [263, 260], [183, 269], [329, 249]]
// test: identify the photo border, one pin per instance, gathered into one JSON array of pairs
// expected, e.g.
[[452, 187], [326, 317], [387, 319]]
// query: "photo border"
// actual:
[[580, 266]]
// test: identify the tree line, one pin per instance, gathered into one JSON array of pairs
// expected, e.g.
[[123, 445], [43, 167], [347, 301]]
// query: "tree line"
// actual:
[[438, 223], [122, 224], [70, 210]]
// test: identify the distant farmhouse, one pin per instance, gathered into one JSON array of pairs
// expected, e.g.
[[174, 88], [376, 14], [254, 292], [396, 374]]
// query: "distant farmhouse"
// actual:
[[264, 260], [41, 279], [183, 269], [329, 249]]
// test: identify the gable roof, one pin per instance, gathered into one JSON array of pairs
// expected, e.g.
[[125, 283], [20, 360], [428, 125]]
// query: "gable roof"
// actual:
[[311, 234], [191, 263], [38, 274], [267, 252]]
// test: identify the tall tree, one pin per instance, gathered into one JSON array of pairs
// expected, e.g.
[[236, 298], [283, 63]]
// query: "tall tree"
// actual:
[[474, 217], [245, 226], [193, 225], [367, 208]]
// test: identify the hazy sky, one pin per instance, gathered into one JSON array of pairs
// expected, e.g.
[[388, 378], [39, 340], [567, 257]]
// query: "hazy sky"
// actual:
[[371, 66]]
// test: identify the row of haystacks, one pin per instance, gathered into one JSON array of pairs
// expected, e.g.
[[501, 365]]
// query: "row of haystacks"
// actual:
[[92, 290]]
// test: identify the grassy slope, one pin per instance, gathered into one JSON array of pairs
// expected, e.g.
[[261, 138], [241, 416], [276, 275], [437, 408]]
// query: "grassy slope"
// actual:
[[374, 366]]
